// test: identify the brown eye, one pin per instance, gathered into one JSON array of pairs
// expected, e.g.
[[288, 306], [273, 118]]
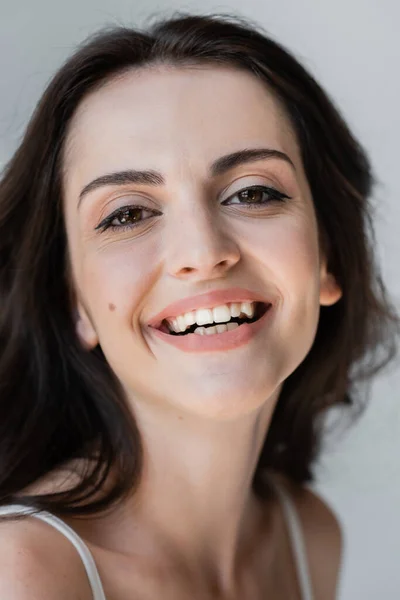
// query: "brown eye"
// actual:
[[251, 195], [127, 217], [132, 215], [256, 195]]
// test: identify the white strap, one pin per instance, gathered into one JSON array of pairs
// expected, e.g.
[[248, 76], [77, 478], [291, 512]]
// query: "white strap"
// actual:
[[297, 540], [291, 517], [84, 552]]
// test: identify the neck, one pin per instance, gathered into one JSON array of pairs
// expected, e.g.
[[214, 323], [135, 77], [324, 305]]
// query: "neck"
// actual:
[[195, 501]]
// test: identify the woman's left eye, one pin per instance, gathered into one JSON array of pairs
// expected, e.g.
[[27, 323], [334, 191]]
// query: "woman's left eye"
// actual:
[[255, 196]]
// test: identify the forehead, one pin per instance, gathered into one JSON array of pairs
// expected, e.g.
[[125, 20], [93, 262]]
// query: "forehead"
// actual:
[[155, 116]]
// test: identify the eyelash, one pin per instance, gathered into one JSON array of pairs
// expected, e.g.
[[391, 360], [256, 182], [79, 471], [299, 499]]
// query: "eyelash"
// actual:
[[275, 196]]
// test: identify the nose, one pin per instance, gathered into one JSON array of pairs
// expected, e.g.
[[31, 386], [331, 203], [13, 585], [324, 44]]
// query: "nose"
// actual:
[[201, 248]]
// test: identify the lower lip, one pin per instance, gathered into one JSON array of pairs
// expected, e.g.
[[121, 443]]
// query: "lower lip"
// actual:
[[193, 342]]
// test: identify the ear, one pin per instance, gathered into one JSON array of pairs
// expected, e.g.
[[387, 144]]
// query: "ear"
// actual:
[[84, 328], [330, 291]]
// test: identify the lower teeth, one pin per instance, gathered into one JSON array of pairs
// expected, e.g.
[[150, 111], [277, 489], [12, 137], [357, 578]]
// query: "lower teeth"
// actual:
[[217, 329]]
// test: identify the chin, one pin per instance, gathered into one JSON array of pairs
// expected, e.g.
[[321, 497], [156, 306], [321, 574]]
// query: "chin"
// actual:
[[229, 403]]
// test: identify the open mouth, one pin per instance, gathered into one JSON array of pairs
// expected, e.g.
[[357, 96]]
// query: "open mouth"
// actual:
[[239, 314]]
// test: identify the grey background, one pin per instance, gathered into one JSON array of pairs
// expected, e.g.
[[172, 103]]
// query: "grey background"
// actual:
[[353, 48]]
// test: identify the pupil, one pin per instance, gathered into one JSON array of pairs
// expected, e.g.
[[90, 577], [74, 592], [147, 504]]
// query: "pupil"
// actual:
[[133, 214], [252, 195]]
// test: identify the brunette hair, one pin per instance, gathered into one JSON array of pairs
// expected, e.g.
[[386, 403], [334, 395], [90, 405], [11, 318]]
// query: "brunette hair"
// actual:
[[60, 402]]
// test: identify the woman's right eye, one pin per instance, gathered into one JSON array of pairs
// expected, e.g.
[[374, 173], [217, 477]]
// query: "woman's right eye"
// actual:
[[128, 217]]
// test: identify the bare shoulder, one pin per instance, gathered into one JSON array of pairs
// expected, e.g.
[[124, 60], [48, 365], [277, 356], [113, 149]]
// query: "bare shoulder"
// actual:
[[323, 539], [38, 563]]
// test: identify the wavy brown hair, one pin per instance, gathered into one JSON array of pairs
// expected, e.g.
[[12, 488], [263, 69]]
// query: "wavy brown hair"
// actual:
[[60, 402]]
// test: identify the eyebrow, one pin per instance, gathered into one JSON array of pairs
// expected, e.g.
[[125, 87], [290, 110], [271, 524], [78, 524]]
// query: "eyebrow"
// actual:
[[218, 167]]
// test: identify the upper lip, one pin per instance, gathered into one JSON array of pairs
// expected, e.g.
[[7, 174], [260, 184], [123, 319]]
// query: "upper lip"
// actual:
[[206, 300]]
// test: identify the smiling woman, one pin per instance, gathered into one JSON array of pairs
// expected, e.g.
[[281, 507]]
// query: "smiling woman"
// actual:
[[187, 284]]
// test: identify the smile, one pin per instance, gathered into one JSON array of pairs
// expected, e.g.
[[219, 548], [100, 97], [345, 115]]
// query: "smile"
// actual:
[[216, 320], [238, 331]]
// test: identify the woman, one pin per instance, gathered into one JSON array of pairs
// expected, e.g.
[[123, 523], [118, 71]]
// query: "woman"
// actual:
[[187, 285]]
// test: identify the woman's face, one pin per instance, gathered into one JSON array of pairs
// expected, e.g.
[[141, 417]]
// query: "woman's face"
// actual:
[[187, 229]]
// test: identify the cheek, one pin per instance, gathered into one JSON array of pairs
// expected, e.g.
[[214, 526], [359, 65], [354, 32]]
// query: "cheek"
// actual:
[[115, 282], [286, 254], [288, 248]]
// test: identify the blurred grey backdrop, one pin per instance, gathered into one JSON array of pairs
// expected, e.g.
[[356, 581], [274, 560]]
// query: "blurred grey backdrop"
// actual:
[[353, 48]]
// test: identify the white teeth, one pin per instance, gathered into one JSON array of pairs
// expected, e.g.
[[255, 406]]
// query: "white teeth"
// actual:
[[211, 330], [174, 325], [204, 316], [221, 314], [235, 309], [248, 309], [217, 329], [190, 319], [200, 330], [207, 316], [181, 323], [221, 328]]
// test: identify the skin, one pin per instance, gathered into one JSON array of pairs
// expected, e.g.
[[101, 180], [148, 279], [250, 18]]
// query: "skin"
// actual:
[[202, 417]]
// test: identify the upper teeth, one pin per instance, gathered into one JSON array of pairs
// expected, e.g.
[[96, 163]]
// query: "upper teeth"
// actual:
[[204, 316]]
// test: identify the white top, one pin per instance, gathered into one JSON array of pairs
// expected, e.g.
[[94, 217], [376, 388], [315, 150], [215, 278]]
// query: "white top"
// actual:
[[289, 511]]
